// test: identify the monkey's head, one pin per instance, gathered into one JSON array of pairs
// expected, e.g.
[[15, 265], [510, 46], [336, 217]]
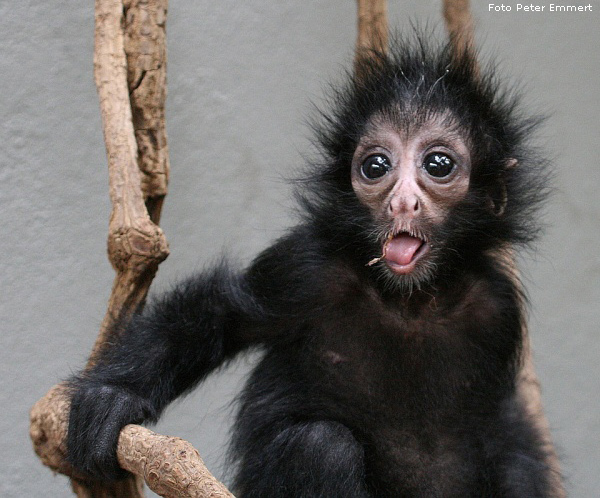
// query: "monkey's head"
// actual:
[[410, 180], [427, 165]]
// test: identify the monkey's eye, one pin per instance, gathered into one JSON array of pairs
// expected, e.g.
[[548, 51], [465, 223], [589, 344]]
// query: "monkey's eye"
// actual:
[[438, 165], [375, 166]]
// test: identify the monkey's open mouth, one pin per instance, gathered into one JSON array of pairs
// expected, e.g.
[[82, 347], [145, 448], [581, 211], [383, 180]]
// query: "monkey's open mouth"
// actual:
[[402, 251]]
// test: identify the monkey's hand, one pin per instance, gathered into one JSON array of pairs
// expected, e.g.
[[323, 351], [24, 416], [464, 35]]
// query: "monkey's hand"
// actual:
[[98, 413]]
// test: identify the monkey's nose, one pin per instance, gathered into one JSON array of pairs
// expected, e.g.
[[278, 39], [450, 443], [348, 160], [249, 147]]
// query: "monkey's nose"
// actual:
[[404, 205]]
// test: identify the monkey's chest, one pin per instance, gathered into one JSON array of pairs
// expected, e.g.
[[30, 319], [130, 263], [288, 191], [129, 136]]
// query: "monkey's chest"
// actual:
[[402, 371]]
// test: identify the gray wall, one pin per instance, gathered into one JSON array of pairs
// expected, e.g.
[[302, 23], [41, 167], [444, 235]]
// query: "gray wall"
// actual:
[[241, 75]]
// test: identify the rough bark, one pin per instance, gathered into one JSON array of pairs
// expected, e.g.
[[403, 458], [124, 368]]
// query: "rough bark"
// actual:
[[171, 466], [145, 48]]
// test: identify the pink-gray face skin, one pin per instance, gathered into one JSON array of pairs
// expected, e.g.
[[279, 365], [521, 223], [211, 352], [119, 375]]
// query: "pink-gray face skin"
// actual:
[[410, 181]]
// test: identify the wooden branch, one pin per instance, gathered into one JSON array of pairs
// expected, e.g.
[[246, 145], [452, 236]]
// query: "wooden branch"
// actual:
[[170, 466], [130, 74], [136, 245], [459, 23], [145, 48], [372, 29]]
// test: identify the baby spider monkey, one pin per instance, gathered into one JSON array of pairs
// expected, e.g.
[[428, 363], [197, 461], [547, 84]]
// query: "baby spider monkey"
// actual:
[[390, 323]]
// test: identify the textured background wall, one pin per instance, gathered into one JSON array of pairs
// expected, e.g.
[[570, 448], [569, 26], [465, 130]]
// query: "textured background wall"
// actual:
[[241, 75]]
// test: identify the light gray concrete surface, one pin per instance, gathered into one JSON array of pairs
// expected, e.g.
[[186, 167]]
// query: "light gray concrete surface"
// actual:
[[241, 75]]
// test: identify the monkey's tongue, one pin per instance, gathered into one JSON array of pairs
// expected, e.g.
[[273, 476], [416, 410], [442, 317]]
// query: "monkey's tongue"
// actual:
[[402, 248]]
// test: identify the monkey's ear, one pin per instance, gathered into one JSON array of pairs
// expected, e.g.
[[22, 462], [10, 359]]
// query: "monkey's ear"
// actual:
[[497, 194]]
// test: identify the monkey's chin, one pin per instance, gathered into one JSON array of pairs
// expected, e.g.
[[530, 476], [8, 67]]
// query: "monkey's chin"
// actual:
[[408, 268]]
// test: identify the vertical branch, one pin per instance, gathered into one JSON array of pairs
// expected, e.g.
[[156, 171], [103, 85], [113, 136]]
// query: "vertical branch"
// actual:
[[136, 245], [372, 29], [459, 24]]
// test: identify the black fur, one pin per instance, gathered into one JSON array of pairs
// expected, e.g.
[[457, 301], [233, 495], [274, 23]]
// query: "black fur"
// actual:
[[364, 390]]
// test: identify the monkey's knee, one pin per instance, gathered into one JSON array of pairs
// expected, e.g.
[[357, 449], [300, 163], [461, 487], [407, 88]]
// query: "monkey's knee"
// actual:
[[309, 459]]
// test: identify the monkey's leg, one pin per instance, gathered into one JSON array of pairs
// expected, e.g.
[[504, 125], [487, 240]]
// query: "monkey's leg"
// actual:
[[304, 460]]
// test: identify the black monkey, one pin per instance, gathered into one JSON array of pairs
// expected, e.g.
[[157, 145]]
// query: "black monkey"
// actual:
[[390, 324]]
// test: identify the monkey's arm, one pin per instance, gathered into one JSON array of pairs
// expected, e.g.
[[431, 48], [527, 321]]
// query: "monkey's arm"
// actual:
[[165, 351], [159, 355]]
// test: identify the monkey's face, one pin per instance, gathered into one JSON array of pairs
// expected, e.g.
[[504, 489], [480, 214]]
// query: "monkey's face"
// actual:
[[410, 179]]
